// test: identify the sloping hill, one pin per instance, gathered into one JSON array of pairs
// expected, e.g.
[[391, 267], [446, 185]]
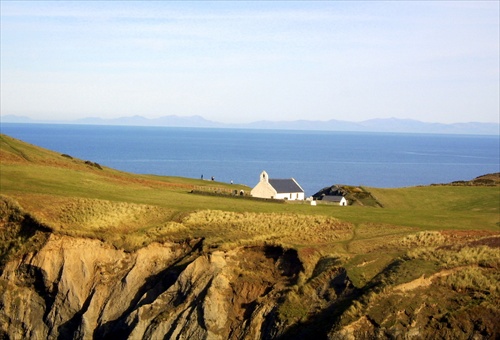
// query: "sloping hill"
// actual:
[[488, 179]]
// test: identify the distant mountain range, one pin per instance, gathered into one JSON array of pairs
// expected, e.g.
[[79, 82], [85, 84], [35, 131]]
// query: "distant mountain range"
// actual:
[[373, 125]]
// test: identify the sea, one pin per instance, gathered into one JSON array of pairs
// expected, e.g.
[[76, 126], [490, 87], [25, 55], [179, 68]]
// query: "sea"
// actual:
[[315, 159]]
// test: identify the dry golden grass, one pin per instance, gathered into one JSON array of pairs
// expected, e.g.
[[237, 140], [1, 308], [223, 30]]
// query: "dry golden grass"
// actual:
[[286, 229], [449, 258], [423, 239], [469, 264], [125, 225], [95, 214], [131, 225], [440, 248], [473, 278]]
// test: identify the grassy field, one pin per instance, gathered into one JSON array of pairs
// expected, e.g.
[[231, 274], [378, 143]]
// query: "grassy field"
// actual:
[[82, 198]]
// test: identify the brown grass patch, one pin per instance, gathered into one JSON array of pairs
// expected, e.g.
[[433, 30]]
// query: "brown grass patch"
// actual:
[[63, 213], [290, 229]]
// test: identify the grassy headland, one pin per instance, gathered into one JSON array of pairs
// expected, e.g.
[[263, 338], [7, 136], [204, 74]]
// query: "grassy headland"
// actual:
[[79, 197]]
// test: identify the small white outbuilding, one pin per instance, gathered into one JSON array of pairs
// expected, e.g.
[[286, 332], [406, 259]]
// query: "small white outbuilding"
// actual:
[[287, 189], [340, 200]]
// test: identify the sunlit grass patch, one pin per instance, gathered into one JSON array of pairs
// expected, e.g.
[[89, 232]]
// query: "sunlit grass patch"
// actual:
[[373, 229], [443, 249], [90, 214], [286, 228], [473, 278], [95, 218], [423, 239], [449, 258], [87, 213]]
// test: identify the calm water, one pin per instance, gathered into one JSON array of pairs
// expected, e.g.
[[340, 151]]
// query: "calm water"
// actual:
[[315, 159]]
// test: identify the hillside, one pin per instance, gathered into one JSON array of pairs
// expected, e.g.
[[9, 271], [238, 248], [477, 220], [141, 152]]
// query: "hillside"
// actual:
[[88, 251], [488, 179]]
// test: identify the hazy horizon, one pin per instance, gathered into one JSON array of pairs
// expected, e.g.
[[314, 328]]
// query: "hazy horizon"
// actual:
[[240, 62], [70, 119]]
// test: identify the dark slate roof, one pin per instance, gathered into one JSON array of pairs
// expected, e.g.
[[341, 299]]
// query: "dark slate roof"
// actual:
[[285, 185], [331, 198]]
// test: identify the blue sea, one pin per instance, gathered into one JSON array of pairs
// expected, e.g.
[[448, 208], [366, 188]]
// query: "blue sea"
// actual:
[[316, 159]]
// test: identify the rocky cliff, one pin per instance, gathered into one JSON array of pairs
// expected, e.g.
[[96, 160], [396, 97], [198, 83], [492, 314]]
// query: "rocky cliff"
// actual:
[[75, 288], [79, 288], [54, 286]]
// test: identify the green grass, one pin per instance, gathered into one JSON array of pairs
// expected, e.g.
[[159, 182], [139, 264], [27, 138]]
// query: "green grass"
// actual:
[[424, 207]]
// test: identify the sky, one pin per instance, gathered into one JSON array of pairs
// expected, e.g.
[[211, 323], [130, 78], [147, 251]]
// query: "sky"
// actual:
[[239, 62]]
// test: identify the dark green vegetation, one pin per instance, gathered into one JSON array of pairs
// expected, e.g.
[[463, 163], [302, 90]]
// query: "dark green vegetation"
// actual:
[[354, 195], [364, 268]]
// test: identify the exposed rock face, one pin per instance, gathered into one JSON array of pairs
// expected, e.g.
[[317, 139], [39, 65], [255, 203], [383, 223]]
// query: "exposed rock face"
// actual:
[[82, 288], [54, 286], [334, 190], [75, 285]]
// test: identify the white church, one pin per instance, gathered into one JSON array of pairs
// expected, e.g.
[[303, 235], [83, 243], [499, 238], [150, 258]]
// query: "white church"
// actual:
[[287, 189]]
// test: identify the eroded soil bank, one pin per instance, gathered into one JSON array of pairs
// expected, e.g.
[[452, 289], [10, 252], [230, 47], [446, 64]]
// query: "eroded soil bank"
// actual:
[[61, 287]]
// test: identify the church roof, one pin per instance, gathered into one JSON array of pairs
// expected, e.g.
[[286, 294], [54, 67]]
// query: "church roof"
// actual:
[[285, 185]]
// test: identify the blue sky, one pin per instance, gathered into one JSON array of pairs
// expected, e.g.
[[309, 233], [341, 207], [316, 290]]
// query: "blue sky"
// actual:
[[245, 61]]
